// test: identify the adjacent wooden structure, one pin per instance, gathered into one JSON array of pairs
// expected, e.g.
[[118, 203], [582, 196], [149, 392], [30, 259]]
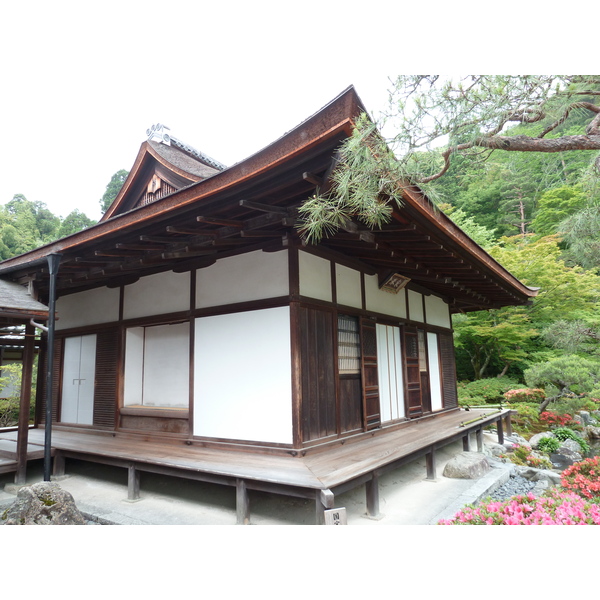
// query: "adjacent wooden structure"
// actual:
[[193, 316]]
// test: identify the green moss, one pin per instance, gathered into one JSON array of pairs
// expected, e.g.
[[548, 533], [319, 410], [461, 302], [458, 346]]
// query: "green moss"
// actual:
[[47, 500]]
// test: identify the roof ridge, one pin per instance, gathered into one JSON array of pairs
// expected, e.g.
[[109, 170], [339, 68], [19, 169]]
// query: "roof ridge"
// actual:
[[197, 154]]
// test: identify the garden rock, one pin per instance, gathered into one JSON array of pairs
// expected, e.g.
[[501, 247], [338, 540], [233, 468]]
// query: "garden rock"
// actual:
[[493, 449], [584, 417], [467, 465], [564, 458], [43, 504], [534, 440], [570, 445], [593, 433], [515, 440], [533, 474]]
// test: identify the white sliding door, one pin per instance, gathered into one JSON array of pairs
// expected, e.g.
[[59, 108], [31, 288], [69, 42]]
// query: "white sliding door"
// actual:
[[78, 380], [157, 366], [389, 361]]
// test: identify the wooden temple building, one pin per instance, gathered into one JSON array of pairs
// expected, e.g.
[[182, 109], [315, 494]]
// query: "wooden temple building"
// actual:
[[196, 335]]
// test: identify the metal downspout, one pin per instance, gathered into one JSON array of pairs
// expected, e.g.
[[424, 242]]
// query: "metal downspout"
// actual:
[[53, 264]]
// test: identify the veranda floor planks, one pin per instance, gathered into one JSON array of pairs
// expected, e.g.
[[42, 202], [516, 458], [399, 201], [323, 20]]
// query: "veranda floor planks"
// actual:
[[319, 468]]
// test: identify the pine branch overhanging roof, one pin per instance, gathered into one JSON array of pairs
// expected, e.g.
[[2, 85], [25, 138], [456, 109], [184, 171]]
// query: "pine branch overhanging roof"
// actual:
[[253, 205]]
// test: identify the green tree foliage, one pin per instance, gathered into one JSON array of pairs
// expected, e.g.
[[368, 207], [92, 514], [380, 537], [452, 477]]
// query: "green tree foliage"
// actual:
[[26, 225], [567, 374], [495, 338], [112, 189], [515, 337], [478, 233], [554, 206], [74, 222], [581, 232], [564, 290]]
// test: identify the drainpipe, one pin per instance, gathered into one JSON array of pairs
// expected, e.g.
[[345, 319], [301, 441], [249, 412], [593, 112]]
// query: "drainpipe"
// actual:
[[53, 263]]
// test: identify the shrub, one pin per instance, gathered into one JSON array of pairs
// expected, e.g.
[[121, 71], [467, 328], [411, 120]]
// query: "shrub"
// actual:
[[525, 395], [527, 418], [565, 433], [485, 391], [583, 478], [556, 508], [552, 419], [525, 457]]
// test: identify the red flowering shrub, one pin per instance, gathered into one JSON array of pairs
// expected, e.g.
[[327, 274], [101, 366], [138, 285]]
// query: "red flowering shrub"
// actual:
[[583, 478], [552, 419]]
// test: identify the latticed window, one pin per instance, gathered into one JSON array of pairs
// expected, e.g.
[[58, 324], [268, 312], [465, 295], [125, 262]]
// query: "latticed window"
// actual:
[[348, 345]]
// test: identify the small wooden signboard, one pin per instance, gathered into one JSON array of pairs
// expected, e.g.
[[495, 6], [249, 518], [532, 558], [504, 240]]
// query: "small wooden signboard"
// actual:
[[336, 516]]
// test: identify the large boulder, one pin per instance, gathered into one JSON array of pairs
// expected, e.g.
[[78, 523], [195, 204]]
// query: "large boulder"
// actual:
[[43, 504], [467, 465]]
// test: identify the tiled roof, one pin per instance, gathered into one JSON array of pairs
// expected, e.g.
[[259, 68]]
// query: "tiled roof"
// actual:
[[16, 298]]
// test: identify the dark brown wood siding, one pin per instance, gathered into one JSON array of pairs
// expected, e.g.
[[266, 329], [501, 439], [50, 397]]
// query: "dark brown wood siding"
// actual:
[[351, 409], [56, 382], [412, 373], [370, 380], [447, 362], [105, 391], [318, 405]]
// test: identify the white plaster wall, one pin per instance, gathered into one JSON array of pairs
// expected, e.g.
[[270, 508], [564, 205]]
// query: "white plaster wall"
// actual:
[[242, 378], [437, 312], [435, 382], [157, 294], [252, 276], [348, 286], [415, 306], [91, 307], [384, 302], [315, 277]]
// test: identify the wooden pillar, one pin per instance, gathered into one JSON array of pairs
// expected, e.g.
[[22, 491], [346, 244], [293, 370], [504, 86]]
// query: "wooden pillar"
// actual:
[[24, 404], [466, 443], [324, 500], [500, 427], [479, 436], [58, 464], [242, 502], [133, 483], [372, 488], [430, 461], [508, 424]]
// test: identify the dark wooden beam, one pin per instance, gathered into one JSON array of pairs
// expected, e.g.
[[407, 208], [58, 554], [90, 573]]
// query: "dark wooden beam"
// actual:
[[278, 210], [225, 222]]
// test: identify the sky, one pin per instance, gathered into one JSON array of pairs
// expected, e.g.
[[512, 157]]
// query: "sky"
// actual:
[[81, 82]]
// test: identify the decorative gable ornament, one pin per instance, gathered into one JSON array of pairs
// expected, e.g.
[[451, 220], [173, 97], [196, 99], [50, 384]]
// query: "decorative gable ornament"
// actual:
[[394, 283], [158, 133]]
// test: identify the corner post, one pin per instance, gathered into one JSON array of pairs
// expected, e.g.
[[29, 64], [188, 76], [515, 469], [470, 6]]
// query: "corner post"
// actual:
[[372, 489], [430, 463]]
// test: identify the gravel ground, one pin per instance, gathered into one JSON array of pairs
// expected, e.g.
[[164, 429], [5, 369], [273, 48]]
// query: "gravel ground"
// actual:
[[515, 486]]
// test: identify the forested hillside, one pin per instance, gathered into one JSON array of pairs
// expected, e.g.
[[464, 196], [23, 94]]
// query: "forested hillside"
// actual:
[[514, 161], [539, 216], [26, 225]]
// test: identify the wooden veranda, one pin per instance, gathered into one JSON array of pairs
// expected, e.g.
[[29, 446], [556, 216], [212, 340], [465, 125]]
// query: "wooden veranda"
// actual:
[[318, 474]]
